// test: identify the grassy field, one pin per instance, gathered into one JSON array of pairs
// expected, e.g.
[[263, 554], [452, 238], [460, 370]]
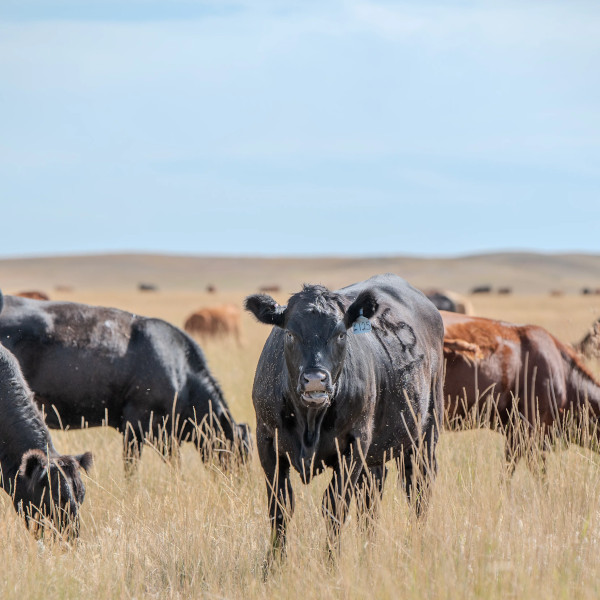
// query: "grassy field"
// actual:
[[199, 532]]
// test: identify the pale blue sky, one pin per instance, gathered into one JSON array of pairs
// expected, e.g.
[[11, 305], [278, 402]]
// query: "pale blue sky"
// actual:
[[314, 127]]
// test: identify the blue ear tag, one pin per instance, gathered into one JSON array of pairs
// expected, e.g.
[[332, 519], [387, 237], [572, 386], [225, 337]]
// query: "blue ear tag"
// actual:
[[362, 324]]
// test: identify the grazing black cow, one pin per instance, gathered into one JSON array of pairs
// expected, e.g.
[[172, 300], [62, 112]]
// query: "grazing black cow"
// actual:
[[90, 366], [449, 301], [482, 289], [440, 300], [39, 479], [326, 396], [147, 287]]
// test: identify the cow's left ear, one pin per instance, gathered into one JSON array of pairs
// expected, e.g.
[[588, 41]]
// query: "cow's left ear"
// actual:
[[366, 301]]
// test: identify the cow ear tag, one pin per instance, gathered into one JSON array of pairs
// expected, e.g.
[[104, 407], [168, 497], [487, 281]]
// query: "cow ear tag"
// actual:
[[362, 324]]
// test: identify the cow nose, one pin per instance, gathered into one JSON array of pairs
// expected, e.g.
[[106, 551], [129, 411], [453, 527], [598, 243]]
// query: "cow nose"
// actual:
[[314, 379], [315, 375]]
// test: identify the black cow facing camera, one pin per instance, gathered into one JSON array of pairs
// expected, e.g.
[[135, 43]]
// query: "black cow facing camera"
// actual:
[[348, 380]]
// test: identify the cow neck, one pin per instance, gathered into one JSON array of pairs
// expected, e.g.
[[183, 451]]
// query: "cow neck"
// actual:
[[22, 429], [310, 421]]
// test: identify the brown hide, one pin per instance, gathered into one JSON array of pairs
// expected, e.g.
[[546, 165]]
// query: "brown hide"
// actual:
[[215, 322], [488, 359]]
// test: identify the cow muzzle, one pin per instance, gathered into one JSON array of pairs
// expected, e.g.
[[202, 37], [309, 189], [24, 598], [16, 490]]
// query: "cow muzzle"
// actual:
[[315, 388]]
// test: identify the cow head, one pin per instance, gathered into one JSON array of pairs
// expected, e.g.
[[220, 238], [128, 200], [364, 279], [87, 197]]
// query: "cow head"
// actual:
[[52, 487], [315, 323]]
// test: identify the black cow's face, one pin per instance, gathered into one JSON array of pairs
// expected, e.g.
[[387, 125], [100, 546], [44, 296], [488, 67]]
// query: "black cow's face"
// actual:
[[314, 348], [315, 324], [53, 487]]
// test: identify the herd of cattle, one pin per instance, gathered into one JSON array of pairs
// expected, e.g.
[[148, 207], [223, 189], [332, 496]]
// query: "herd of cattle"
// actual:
[[348, 380]]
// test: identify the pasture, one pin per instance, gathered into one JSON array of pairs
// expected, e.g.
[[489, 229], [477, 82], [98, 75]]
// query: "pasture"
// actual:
[[200, 532]]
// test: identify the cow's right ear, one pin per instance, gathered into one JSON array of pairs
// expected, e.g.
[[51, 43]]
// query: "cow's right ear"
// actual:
[[265, 309]]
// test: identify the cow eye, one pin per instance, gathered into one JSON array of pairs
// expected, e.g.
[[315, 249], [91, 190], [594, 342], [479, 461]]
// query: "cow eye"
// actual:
[[342, 336], [289, 336]]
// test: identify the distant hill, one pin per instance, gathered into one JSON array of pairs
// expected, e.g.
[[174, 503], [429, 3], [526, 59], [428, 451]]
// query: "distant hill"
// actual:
[[526, 273]]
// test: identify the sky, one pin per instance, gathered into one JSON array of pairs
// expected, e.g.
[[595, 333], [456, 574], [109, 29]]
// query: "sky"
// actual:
[[313, 127]]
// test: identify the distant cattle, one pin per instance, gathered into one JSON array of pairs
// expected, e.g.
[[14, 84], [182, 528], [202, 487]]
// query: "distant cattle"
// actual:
[[589, 345], [327, 395], [63, 288], [147, 287], [557, 293], [91, 366], [211, 289], [40, 481], [482, 289], [215, 322], [270, 288], [450, 301], [587, 291], [34, 295], [505, 291], [491, 364]]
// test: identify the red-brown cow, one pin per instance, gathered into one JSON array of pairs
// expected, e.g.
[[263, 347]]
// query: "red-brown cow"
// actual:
[[489, 363], [215, 322]]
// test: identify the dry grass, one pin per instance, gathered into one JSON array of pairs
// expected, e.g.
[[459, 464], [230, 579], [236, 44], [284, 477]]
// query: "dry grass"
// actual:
[[199, 532]]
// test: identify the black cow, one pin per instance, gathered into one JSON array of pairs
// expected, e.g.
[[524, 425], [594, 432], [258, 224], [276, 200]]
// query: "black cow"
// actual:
[[441, 301], [39, 479], [328, 397], [90, 366], [482, 289]]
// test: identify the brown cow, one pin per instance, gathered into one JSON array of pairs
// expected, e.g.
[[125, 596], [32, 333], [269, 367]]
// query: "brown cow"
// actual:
[[488, 360], [34, 295], [215, 322], [589, 345]]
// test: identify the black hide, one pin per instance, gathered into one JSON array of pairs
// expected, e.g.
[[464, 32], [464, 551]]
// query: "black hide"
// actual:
[[326, 397], [90, 365]]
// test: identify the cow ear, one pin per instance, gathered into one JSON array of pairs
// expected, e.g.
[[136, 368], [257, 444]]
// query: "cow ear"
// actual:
[[85, 461], [265, 309], [32, 459], [366, 301]]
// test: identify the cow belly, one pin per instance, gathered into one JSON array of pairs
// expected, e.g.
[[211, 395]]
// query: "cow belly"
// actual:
[[60, 413]]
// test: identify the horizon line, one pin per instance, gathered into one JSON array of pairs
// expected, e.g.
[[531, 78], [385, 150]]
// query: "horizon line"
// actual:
[[140, 253]]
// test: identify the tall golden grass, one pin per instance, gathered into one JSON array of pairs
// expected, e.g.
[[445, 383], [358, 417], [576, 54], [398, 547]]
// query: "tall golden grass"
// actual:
[[198, 532]]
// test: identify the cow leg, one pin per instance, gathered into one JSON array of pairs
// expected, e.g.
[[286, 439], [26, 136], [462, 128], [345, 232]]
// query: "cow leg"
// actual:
[[168, 445], [369, 490], [134, 431], [420, 469], [513, 448], [133, 441], [338, 495], [174, 453], [280, 497]]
